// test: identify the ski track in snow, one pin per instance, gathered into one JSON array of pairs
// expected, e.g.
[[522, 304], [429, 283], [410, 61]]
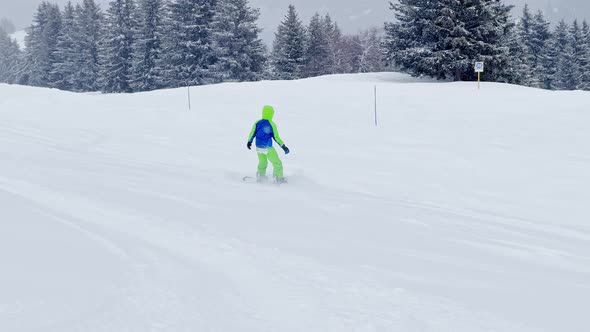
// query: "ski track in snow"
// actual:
[[128, 213]]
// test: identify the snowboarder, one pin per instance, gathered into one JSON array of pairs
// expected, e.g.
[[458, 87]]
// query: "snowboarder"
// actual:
[[265, 130]]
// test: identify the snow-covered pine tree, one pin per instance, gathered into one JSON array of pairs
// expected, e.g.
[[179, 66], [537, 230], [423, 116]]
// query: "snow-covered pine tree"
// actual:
[[9, 58], [488, 22], [335, 59], [41, 44], [580, 51], [539, 47], [409, 41], [117, 47], [317, 51], [148, 52], [452, 49], [4, 46], [289, 47], [567, 74], [525, 23], [15, 60], [444, 38], [34, 48], [64, 67], [87, 36], [518, 70], [525, 27], [585, 60], [239, 51], [268, 71], [51, 35], [189, 46]]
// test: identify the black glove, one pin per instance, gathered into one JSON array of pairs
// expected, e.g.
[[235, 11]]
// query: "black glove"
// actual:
[[249, 145], [285, 148]]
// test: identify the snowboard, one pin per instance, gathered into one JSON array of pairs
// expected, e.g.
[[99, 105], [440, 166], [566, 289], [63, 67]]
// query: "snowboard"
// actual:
[[252, 179]]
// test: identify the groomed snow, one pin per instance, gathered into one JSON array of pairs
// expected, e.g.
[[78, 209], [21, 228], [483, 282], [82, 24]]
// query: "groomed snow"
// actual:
[[464, 211]]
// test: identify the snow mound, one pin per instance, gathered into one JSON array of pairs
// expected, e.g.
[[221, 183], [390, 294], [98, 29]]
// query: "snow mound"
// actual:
[[386, 77]]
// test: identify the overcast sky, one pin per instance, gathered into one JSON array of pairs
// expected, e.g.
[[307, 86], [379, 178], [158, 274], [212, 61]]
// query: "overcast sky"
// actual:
[[352, 15]]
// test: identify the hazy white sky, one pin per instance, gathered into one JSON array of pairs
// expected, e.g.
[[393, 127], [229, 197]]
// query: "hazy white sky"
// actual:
[[352, 15]]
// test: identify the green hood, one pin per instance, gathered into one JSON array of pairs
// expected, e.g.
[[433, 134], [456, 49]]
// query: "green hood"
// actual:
[[268, 112]]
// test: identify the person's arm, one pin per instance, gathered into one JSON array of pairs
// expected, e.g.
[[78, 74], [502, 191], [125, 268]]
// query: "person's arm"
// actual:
[[251, 137], [277, 137]]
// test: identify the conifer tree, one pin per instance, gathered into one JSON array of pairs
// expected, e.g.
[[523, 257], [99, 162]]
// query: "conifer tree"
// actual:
[[64, 67], [567, 73], [148, 51], [9, 58], [189, 43], [444, 38], [540, 49], [409, 41], [585, 58], [288, 52], [335, 58], [42, 44], [239, 51], [580, 49], [117, 47], [317, 53], [525, 30], [87, 39], [519, 70]]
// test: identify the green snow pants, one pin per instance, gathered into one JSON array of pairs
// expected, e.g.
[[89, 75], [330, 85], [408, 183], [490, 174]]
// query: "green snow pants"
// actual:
[[264, 155]]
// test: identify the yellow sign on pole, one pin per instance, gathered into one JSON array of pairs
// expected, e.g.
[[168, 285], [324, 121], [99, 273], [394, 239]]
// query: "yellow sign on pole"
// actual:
[[478, 70]]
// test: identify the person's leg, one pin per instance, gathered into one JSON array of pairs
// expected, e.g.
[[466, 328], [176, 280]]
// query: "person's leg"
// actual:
[[277, 165], [262, 164]]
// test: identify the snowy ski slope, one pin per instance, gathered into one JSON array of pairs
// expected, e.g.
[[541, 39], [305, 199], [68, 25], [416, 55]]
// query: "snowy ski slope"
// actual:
[[464, 211]]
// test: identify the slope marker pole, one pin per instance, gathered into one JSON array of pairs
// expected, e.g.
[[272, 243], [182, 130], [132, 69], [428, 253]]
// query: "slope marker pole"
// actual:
[[188, 88], [478, 80], [375, 105]]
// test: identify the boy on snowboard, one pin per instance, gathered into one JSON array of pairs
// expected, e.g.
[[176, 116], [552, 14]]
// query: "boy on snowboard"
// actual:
[[265, 130]]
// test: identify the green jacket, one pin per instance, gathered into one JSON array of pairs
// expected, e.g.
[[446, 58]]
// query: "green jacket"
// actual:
[[265, 130]]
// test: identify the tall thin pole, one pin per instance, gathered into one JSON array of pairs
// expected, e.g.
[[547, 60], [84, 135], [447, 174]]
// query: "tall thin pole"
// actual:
[[478, 80], [188, 88], [375, 105]]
